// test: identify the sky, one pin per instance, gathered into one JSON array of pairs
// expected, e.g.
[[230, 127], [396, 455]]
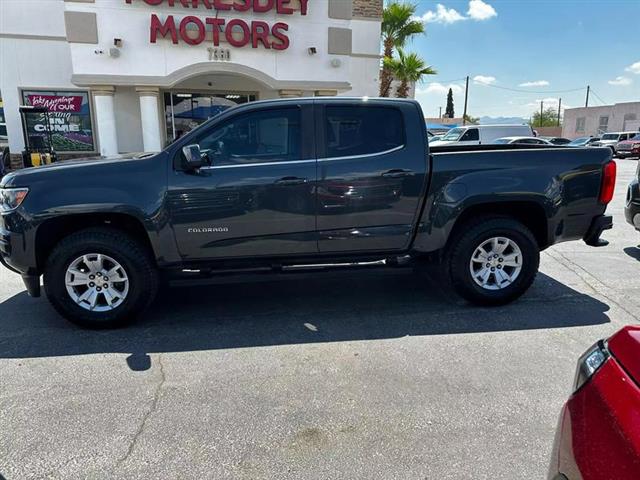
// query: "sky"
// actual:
[[540, 48]]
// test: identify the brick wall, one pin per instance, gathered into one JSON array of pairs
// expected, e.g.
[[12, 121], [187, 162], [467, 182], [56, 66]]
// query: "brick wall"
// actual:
[[367, 8]]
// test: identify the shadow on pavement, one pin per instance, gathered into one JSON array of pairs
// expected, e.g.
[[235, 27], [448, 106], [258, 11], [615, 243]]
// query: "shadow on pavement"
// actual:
[[321, 308], [633, 252]]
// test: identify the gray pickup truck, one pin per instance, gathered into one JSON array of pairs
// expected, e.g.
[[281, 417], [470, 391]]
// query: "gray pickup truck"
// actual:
[[275, 186]]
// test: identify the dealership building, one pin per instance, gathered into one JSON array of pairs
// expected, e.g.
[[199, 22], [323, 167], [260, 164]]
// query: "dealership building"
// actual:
[[121, 76], [594, 121]]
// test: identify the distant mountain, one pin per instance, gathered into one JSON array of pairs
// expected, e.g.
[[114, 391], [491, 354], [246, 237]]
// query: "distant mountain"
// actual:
[[502, 120]]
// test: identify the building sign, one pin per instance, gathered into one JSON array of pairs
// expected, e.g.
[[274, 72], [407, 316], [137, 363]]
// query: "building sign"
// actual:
[[195, 30], [69, 119]]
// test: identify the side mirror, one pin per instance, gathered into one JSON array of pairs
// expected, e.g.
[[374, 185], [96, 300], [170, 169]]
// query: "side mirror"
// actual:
[[193, 156]]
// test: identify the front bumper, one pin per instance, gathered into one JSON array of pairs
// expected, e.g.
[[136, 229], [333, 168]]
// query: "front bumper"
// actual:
[[16, 251], [632, 206]]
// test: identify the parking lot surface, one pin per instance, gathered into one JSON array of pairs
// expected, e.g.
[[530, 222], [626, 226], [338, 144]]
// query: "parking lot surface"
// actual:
[[355, 375]]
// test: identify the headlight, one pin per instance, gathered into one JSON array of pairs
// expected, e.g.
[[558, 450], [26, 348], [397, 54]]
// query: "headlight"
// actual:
[[11, 198], [589, 363]]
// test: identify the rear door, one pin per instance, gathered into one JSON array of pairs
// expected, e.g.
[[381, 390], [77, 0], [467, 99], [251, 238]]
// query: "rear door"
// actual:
[[372, 167]]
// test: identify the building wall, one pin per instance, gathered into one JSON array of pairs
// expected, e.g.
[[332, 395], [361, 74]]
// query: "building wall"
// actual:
[[616, 115], [367, 8], [47, 44]]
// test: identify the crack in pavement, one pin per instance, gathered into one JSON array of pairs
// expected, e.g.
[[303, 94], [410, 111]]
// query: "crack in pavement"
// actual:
[[147, 415], [597, 287]]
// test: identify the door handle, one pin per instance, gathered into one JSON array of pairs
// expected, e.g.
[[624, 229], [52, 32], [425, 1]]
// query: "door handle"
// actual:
[[291, 181], [397, 173]]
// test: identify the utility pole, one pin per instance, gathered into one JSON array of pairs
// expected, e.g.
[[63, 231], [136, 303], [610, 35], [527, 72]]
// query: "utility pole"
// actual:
[[541, 106], [466, 95], [559, 105], [440, 115], [586, 103]]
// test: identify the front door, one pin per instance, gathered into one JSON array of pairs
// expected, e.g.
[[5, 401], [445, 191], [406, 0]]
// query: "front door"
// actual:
[[372, 168], [257, 197]]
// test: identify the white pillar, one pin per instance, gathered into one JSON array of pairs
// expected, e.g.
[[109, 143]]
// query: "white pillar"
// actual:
[[150, 118], [105, 120]]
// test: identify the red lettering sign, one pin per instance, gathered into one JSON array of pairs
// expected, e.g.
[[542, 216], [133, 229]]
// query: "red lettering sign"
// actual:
[[193, 30], [55, 103]]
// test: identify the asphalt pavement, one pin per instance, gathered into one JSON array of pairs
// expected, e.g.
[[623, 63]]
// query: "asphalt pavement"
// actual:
[[361, 375]]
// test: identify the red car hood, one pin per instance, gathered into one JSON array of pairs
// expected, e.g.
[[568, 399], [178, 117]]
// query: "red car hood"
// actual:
[[629, 141], [625, 346]]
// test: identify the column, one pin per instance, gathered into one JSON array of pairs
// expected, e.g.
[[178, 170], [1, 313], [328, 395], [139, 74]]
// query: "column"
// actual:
[[105, 116], [150, 118]]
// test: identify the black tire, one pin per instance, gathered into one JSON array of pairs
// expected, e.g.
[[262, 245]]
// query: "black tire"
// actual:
[[471, 235], [134, 258]]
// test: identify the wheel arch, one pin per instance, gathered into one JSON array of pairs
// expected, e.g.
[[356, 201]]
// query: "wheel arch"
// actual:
[[531, 214], [53, 230]]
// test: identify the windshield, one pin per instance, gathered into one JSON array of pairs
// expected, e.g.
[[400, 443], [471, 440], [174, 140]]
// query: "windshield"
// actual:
[[502, 140], [579, 141], [453, 135], [610, 136], [636, 138]]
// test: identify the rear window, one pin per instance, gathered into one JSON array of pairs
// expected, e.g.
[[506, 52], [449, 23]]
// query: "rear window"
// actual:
[[362, 130]]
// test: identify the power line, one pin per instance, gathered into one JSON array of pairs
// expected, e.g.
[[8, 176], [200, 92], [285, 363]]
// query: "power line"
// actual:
[[539, 92], [598, 97]]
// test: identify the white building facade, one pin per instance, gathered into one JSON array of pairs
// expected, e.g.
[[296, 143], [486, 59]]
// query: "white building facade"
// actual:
[[594, 121], [123, 76]]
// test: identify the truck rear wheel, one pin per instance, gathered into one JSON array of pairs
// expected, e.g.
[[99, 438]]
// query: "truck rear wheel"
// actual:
[[100, 278], [493, 261]]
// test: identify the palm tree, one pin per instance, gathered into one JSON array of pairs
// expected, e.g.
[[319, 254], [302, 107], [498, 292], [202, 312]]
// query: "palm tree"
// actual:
[[398, 25], [407, 68]]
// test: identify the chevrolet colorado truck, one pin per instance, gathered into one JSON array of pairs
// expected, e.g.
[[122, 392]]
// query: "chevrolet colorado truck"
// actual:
[[282, 185]]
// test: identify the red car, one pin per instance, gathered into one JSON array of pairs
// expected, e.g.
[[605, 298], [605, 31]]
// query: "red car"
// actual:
[[629, 148], [598, 436]]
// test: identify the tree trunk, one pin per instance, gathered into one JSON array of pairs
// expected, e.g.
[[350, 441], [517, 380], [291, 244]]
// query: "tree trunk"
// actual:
[[386, 76], [403, 89]]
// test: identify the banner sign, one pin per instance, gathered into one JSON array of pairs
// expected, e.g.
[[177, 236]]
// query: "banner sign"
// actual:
[[62, 103], [194, 30], [69, 119]]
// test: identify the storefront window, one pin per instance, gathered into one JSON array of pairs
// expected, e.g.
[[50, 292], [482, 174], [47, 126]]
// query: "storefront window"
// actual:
[[3, 122], [69, 119], [185, 111]]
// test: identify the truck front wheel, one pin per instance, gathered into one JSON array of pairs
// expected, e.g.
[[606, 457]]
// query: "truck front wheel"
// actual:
[[493, 261], [100, 278]]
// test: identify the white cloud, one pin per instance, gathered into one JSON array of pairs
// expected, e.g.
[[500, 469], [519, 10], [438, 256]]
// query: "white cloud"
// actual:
[[439, 88], [479, 10], [535, 83], [442, 15], [484, 79], [634, 68], [620, 81]]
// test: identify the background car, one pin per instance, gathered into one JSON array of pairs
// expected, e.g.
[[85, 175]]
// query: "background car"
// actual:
[[598, 435], [583, 142], [522, 141], [612, 139], [629, 148], [557, 140]]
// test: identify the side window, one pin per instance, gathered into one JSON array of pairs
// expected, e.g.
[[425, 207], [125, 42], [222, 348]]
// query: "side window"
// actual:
[[471, 135], [256, 137], [362, 130], [603, 124]]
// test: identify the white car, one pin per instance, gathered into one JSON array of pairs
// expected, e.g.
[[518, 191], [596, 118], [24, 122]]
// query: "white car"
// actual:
[[612, 139], [481, 134], [523, 141]]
